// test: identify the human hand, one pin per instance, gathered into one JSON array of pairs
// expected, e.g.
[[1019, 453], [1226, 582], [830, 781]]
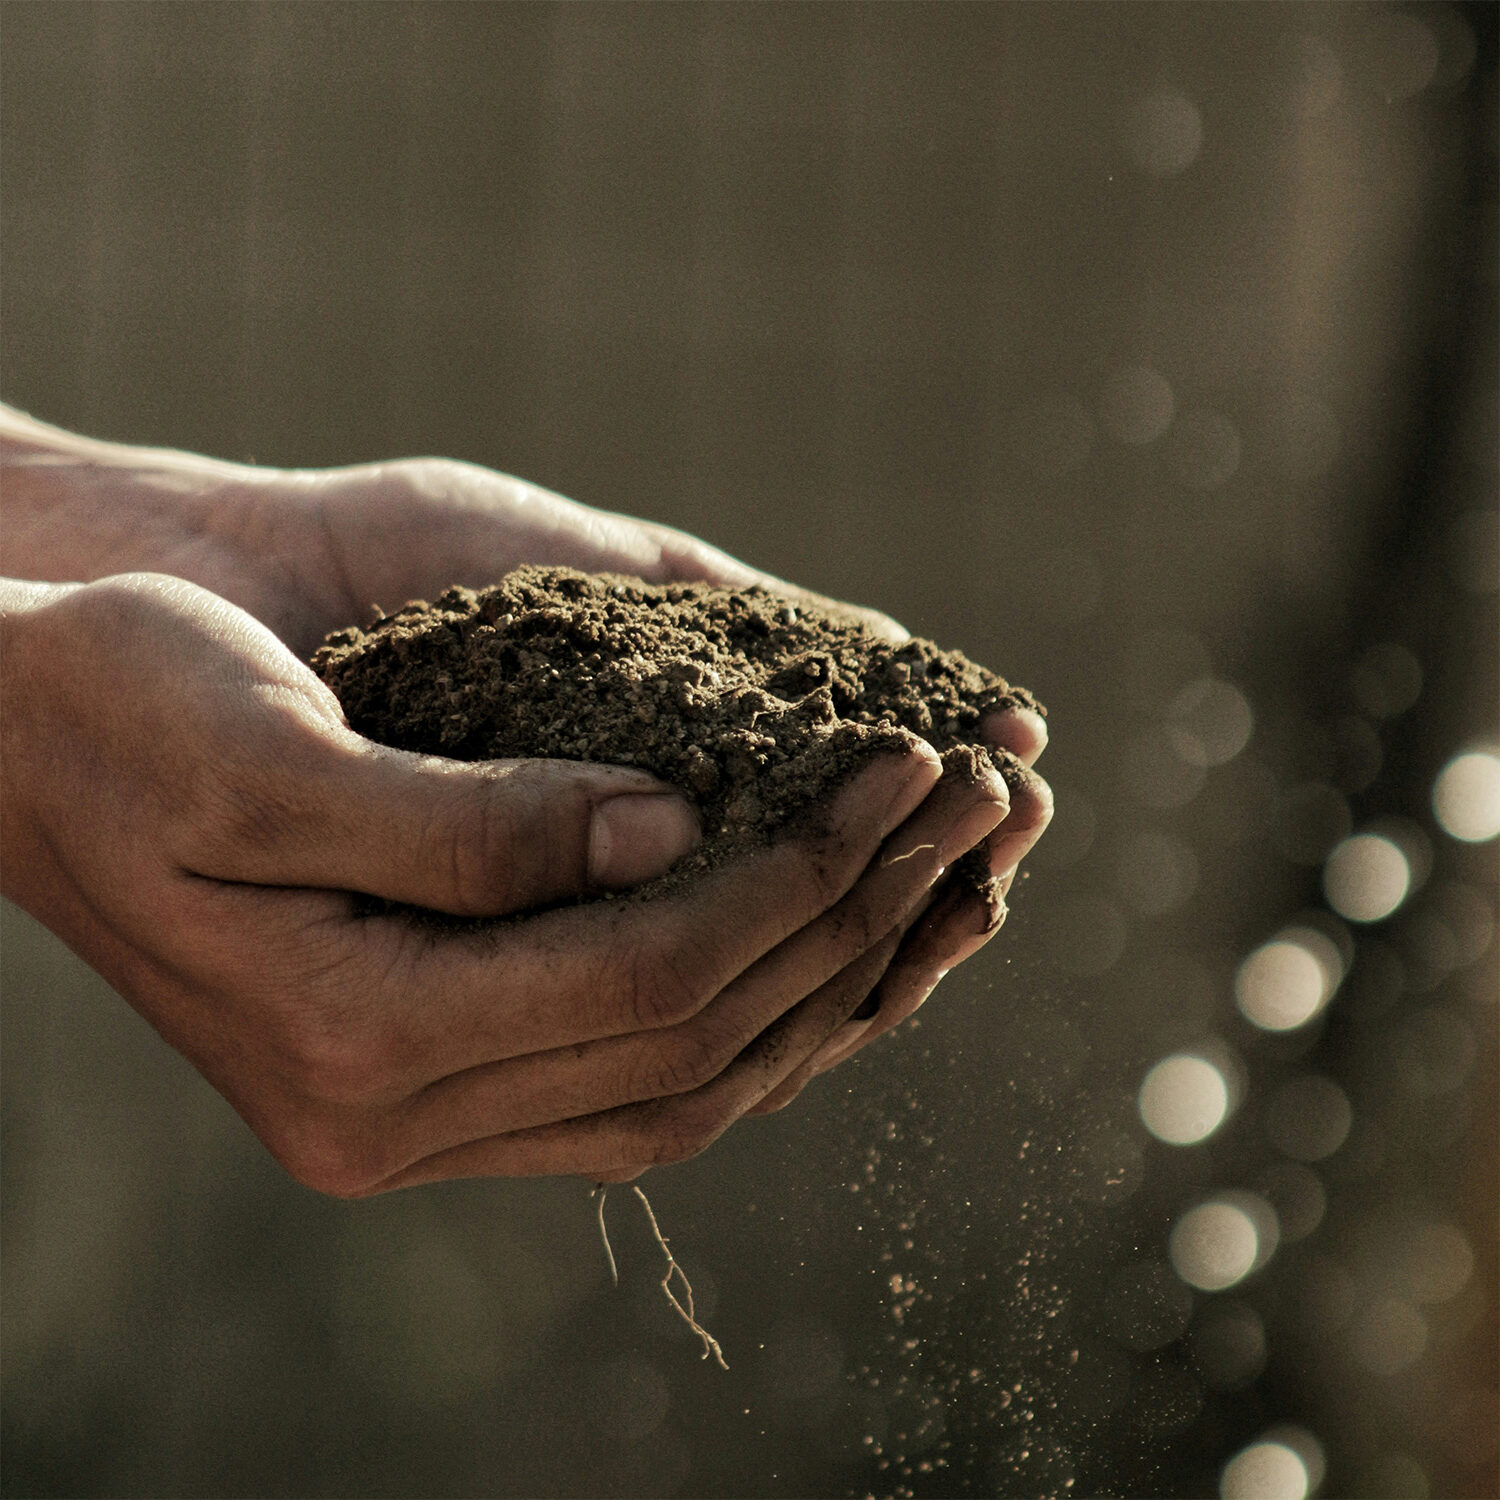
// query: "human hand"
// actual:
[[188, 810], [956, 924], [411, 528], [308, 551]]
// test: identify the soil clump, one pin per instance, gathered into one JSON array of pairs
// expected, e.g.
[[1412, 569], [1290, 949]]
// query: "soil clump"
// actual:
[[757, 707]]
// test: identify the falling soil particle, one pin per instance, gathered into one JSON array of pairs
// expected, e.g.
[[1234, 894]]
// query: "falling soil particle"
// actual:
[[755, 706]]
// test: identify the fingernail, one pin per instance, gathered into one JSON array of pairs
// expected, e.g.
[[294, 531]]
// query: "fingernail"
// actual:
[[636, 837], [971, 828], [913, 791]]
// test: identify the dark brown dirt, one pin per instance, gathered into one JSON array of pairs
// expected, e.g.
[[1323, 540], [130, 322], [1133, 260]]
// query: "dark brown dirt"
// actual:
[[755, 706]]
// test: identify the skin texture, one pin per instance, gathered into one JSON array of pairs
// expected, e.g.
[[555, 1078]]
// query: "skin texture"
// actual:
[[186, 808]]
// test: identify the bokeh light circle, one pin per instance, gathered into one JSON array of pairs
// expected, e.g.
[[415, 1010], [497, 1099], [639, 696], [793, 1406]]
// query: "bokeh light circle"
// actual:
[[1398, 55], [1388, 1335], [1409, 1255], [1158, 663], [1439, 1263], [1309, 1117], [1386, 680], [1366, 877], [1305, 1446], [1264, 1471], [1214, 1245], [1183, 1100], [1283, 984], [1458, 47], [1164, 133], [1155, 872], [1297, 1194], [1209, 722], [1228, 1344], [1154, 772], [1466, 797], [1432, 1050], [1070, 834]]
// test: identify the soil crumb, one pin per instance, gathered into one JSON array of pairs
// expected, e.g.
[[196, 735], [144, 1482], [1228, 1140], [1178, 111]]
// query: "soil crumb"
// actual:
[[757, 707]]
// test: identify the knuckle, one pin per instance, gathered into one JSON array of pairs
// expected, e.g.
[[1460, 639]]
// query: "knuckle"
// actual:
[[333, 1064], [831, 870], [685, 1129], [679, 1063], [241, 799], [479, 851], [663, 988], [331, 1160]]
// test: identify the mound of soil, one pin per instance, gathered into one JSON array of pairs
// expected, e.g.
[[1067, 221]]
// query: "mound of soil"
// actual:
[[755, 706]]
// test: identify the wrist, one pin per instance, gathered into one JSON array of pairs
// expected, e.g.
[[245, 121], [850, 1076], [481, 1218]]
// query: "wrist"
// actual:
[[77, 509], [25, 439]]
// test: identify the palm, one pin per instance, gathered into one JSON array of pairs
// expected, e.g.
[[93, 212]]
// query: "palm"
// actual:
[[381, 534]]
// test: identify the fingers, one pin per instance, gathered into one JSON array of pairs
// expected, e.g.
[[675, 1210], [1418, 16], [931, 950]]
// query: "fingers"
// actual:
[[571, 1081], [576, 975], [954, 930], [481, 524], [955, 927], [616, 1144], [1022, 731], [1030, 813], [1018, 736], [477, 839], [684, 558], [355, 1127]]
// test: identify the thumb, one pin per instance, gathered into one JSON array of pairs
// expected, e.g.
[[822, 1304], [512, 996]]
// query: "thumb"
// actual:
[[483, 838]]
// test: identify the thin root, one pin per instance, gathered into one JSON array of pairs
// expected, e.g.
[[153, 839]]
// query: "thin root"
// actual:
[[601, 1190], [896, 859], [710, 1343]]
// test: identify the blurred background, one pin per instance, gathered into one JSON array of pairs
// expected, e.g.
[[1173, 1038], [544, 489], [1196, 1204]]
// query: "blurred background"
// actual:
[[1145, 353]]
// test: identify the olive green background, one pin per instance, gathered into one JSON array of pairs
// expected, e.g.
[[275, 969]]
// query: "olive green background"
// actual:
[[846, 290]]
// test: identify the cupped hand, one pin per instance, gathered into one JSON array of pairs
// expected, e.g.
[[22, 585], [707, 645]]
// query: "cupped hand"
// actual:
[[957, 922], [187, 808], [308, 551], [411, 528]]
